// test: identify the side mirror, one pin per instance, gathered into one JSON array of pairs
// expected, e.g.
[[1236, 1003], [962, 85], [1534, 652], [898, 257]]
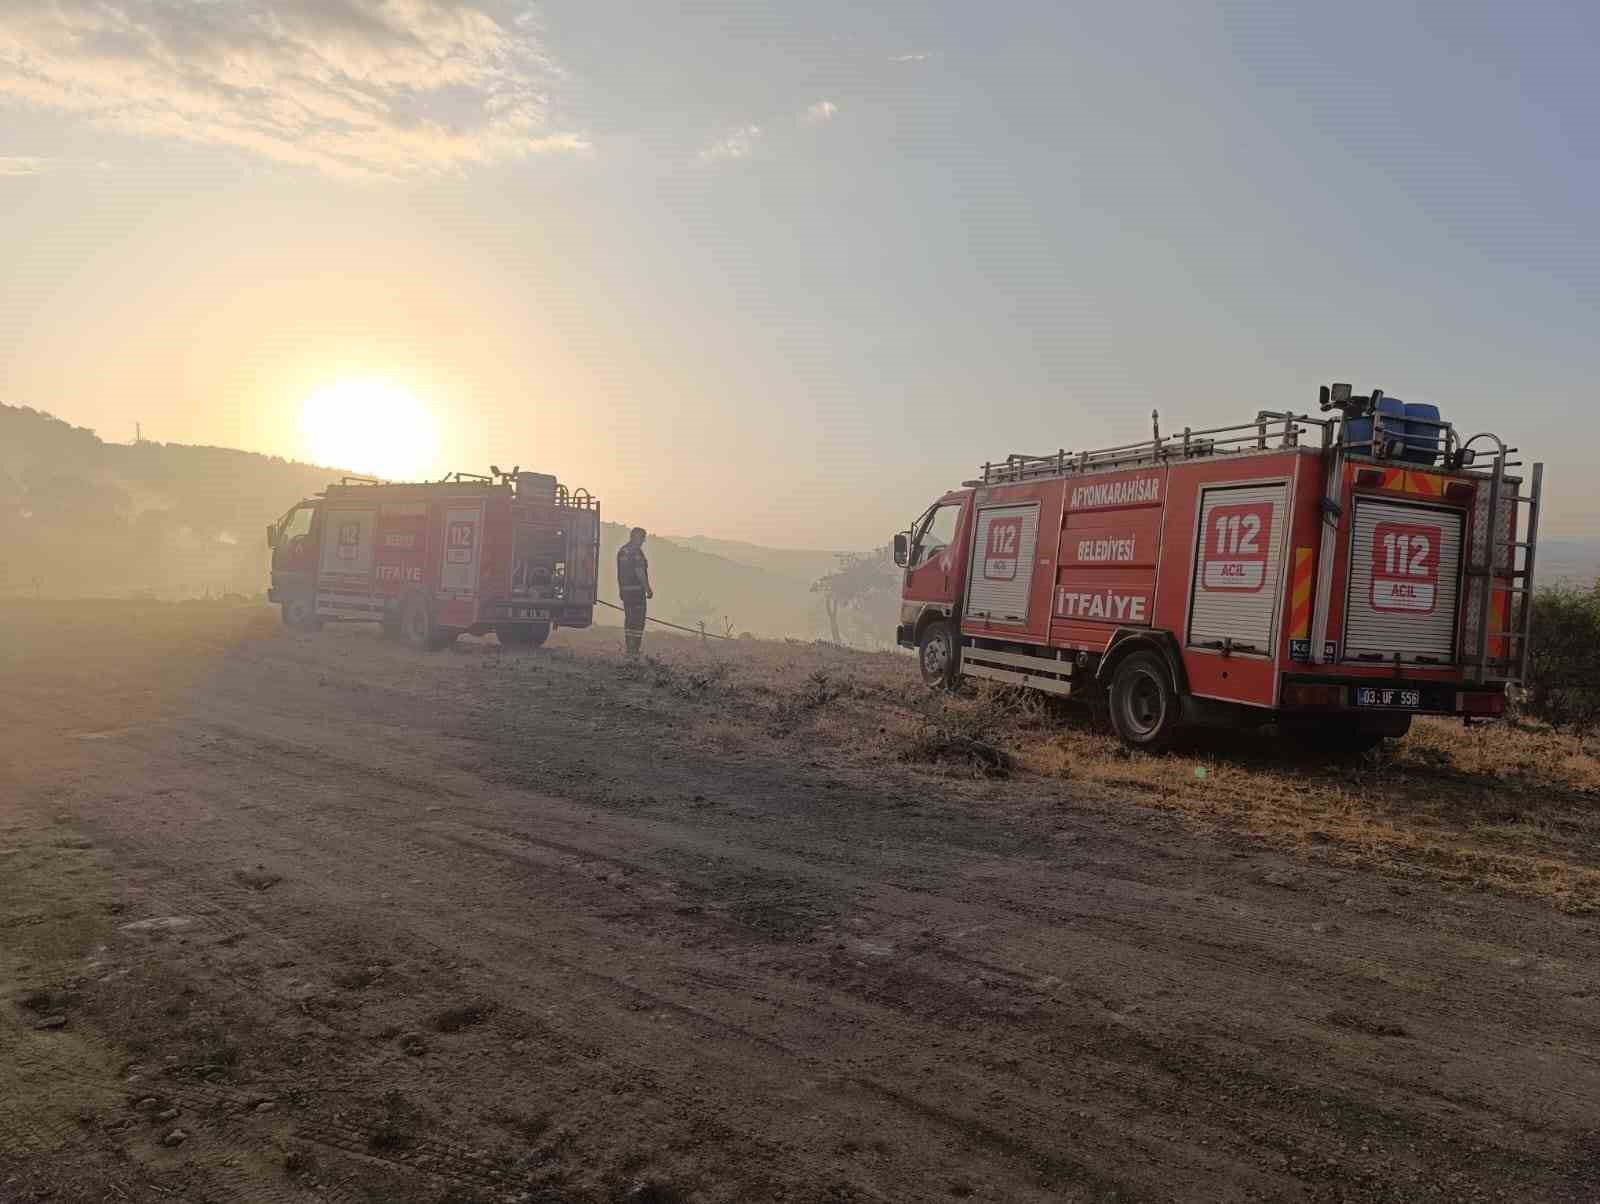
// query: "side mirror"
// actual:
[[902, 549], [272, 535]]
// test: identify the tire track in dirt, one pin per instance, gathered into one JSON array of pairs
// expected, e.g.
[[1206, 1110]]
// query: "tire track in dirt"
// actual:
[[578, 851], [185, 893], [811, 953]]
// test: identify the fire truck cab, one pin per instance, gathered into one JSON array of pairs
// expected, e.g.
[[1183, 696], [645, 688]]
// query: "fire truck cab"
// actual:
[[1335, 574], [515, 553]]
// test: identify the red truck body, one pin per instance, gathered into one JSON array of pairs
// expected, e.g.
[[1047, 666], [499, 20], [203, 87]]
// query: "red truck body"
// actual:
[[516, 554], [1272, 570]]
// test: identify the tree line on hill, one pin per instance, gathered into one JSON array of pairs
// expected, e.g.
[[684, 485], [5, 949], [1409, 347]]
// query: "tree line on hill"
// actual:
[[81, 516]]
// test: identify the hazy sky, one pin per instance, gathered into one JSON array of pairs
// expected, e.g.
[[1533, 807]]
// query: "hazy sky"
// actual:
[[783, 272]]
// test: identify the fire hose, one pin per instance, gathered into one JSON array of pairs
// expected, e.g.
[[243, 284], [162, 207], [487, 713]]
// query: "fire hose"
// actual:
[[701, 631]]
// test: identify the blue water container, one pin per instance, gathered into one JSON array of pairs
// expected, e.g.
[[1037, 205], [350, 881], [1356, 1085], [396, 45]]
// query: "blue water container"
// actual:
[[1423, 438], [1358, 431]]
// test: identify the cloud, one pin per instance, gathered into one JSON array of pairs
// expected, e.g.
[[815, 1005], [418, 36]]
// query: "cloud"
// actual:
[[354, 88], [739, 143], [31, 165], [820, 113], [921, 56]]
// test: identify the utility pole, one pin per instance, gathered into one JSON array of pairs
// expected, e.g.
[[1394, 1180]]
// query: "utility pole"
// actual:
[[138, 433]]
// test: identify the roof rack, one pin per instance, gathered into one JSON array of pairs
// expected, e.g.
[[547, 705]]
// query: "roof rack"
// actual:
[[1272, 430], [455, 482]]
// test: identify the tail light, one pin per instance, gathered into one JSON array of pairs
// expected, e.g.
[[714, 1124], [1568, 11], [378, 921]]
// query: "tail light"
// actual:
[[1481, 702], [1304, 694]]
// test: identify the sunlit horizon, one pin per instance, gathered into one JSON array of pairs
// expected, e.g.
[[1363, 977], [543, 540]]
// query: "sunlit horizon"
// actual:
[[370, 425]]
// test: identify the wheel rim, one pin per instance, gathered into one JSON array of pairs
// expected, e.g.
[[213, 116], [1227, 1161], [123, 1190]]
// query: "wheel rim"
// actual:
[[299, 611], [1145, 704], [935, 656]]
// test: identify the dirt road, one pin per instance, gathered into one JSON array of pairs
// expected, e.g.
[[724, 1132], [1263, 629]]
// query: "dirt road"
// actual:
[[295, 917]]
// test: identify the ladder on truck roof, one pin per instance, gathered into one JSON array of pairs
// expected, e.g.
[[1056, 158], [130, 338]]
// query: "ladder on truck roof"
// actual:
[[1271, 431], [1497, 561]]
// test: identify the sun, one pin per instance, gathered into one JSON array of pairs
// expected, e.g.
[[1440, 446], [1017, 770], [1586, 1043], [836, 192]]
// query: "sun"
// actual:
[[370, 425]]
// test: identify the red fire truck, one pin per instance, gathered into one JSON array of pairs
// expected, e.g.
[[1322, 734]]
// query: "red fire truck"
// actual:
[[515, 553], [1337, 575]]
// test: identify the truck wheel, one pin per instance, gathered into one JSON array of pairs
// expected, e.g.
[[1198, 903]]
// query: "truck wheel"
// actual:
[[300, 613], [936, 655], [1144, 706], [522, 635], [416, 624]]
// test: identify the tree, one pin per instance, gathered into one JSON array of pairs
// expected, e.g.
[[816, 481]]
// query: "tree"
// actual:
[[864, 591]]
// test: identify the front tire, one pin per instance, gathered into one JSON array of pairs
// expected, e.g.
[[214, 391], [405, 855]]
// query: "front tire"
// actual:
[[522, 635], [937, 656], [1144, 706]]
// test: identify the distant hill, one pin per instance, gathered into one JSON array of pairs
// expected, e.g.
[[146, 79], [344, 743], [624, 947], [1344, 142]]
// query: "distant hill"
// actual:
[[85, 517], [800, 564]]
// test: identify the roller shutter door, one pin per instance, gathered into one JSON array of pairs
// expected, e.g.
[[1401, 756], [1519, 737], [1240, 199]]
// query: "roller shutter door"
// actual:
[[1405, 578], [1238, 582], [1002, 563]]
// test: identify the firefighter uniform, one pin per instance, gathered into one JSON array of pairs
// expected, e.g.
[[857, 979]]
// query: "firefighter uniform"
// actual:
[[633, 572]]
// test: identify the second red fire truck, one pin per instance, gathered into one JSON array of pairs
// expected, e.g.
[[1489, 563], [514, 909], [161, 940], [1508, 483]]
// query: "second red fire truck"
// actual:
[[1336, 574], [515, 553]]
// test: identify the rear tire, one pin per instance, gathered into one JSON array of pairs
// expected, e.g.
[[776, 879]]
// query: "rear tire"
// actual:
[[417, 630], [937, 656], [522, 635], [300, 614], [1144, 706]]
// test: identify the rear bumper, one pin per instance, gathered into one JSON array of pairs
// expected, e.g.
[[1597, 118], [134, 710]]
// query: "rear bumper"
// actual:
[[513, 611], [1311, 694]]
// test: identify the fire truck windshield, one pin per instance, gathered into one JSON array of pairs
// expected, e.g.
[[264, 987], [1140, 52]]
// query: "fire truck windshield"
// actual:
[[936, 533], [297, 524]]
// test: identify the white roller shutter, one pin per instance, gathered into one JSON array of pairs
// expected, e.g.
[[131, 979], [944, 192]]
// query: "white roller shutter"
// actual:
[[347, 537], [1405, 577], [463, 535], [1238, 581], [1003, 546]]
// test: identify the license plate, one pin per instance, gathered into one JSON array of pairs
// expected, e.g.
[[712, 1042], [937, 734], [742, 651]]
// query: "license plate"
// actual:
[[1375, 696]]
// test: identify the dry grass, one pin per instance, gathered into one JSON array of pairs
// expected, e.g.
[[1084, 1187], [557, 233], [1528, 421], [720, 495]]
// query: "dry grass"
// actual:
[[1503, 806], [1513, 807]]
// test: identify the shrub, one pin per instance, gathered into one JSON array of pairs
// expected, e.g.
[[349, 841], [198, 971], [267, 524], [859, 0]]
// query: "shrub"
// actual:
[[963, 735], [1564, 661]]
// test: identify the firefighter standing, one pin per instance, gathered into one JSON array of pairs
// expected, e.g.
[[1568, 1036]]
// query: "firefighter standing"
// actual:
[[633, 583]]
